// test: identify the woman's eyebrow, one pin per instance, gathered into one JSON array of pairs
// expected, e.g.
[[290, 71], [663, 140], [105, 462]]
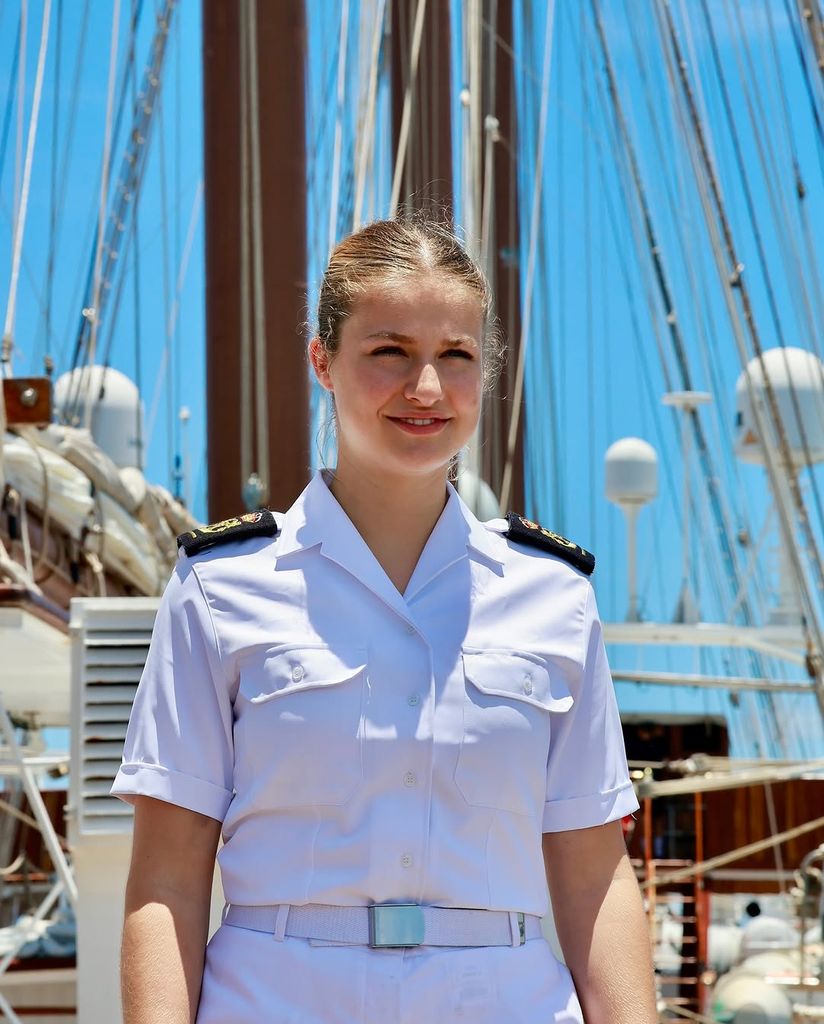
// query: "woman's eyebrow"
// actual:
[[406, 339]]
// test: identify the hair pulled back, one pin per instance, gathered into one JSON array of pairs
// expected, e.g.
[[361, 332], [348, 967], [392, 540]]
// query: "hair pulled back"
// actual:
[[387, 250]]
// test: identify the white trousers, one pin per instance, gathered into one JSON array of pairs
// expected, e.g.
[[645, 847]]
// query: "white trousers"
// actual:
[[252, 978]]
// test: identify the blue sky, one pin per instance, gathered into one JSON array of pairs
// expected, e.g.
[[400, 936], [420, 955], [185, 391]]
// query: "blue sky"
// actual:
[[594, 370]]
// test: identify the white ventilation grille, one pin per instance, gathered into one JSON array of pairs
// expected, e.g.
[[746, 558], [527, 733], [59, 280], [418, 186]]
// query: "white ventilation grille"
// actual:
[[110, 641]]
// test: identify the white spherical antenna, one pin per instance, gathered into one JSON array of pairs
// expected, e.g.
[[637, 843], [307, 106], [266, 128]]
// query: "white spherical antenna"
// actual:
[[478, 495], [631, 472], [116, 409], [797, 380], [631, 481]]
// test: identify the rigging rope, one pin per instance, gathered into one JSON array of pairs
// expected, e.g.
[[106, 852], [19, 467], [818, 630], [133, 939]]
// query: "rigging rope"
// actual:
[[104, 189], [771, 174], [53, 188], [654, 248], [762, 257], [259, 288], [336, 149], [20, 213], [517, 397], [662, 282], [366, 135], [11, 91], [732, 279], [246, 410], [406, 117], [135, 239]]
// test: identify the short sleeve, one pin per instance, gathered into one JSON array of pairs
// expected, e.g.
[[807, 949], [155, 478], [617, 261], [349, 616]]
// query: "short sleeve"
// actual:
[[179, 741], [587, 778]]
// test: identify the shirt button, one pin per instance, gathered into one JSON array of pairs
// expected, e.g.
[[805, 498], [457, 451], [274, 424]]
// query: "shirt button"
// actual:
[[410, 628], [297, 673], [406, 860], [413, 700], [410, 779], [527, 685]]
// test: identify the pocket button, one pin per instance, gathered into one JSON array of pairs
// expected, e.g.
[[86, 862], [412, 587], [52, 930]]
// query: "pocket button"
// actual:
[[297, 673], [528, 685]]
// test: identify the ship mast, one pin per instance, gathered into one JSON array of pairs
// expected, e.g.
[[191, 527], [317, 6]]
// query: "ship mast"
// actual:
[[428, 181], [255, 216]]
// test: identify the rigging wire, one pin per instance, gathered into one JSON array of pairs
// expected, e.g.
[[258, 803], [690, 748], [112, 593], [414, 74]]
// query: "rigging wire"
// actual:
[[805, 74], [104, 189], [246, 397], [125, 196], [339, 110], [21, 110], [800, 186], [53, 187], [732, 280], [517, 397], [11, 92], [366, 135], [561, 262], [136, 280], [258, 281], [770, 714], [709, 348], [406, 117], [22, 207], [180, 482], [681, 220], [589, 325], [762, 257], [165, 265], [654, 247], [767, 160]]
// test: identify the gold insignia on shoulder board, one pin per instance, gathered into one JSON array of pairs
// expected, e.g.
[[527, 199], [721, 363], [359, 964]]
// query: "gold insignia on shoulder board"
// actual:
[[226, 524]]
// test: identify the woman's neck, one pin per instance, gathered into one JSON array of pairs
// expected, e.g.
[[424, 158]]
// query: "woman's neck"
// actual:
[[394, 516]]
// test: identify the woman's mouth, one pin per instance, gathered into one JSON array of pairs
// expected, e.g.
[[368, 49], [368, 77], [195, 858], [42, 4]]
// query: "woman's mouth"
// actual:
[[419, 425]]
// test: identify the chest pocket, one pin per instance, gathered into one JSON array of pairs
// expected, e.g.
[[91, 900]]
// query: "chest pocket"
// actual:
[[299, 726], [508, 705]]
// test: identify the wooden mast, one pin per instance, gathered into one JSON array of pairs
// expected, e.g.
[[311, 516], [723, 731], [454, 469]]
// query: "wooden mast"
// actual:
[[281, 45], [504, 266], [428, 184], [427, 181]]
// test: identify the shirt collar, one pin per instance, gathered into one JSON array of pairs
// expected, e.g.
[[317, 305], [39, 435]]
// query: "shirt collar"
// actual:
[[316, 518]]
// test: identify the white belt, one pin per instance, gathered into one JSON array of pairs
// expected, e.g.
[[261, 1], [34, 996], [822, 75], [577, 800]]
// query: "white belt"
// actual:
[[389, 925]]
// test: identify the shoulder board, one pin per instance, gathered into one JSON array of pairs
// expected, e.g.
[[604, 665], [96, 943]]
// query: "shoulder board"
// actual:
[[252, 524], [527, 532]]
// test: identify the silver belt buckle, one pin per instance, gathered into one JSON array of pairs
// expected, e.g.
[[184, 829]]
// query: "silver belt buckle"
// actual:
[[395, 925]]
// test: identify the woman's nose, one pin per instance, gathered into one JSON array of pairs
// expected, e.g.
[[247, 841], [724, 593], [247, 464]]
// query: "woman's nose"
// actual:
[[425, 385]]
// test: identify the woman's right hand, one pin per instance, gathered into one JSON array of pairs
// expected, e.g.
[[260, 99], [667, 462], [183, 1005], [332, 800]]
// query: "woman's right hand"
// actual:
[[167, 912]]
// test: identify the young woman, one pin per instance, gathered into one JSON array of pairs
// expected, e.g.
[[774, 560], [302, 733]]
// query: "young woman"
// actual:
[[400, 719]]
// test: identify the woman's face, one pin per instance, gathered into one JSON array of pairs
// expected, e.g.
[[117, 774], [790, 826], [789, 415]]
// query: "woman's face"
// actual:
[[407, 376]]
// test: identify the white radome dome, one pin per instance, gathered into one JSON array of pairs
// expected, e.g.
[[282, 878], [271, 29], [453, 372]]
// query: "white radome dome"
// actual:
[[114, 416], [797, 379], [478, 495], [631, 472], [744, 996]]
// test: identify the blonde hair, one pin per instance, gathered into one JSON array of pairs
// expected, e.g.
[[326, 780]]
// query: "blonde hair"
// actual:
[[389, 249]]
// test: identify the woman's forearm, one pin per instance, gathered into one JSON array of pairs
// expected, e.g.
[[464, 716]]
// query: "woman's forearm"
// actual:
[[162, 960], [605, 939], [167, 912]]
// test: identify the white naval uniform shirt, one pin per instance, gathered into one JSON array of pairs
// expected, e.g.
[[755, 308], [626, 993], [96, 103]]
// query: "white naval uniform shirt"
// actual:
[[362, 746]]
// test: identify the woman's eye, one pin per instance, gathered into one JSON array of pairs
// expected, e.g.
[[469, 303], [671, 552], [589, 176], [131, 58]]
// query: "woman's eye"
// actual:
[[462, 353], [388, 350]]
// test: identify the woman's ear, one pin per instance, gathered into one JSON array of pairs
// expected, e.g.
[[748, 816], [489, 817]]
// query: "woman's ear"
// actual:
[[319, 358]]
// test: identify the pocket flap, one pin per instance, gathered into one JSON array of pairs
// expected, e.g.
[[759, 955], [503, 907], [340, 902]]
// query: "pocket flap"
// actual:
[[290, 668], [512, 674]]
